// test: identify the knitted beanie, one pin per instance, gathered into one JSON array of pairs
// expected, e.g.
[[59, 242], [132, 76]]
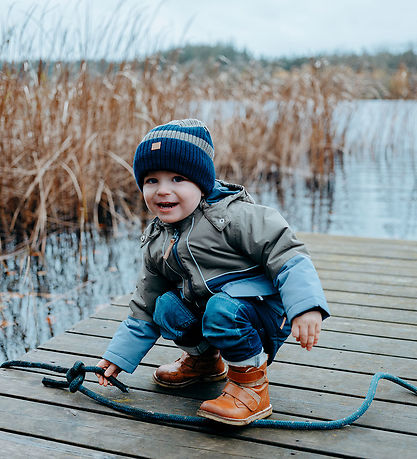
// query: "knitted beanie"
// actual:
[[182, 146]]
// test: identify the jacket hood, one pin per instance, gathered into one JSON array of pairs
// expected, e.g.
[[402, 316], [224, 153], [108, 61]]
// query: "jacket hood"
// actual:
[[215, 207], [222, 190]]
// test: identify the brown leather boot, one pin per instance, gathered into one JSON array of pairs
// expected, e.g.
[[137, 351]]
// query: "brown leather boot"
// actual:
[[245, 398], [189, 369]]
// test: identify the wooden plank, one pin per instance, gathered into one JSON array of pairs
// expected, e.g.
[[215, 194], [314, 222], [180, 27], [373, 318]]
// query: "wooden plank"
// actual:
[[212, 442], [406, 250], [369, 313], [371, 328], [285, 400], [364, 277], [122, 300], [393, 302], [369, 344], [23, 447], [406, 267], [357, 240], [345, 360], [328, 338], [112, 312], [395, 255], [371, 288], [339, 264]]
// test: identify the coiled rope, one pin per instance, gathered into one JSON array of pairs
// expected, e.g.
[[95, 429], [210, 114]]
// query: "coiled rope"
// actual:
[[76, 375]]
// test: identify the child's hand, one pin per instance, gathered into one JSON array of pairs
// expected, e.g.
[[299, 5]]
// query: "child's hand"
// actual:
[[306, 329], [111, 370]]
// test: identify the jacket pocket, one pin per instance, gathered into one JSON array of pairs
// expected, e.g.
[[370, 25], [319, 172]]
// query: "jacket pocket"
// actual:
[[258, 286]]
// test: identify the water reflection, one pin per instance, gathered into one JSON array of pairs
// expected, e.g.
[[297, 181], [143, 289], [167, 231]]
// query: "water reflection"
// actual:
[[42, 296]]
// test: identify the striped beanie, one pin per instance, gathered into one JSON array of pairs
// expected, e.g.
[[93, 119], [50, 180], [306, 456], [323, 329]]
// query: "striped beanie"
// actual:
[[182, 146]]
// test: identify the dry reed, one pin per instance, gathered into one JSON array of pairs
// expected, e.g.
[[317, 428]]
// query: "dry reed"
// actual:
[[68, 134]]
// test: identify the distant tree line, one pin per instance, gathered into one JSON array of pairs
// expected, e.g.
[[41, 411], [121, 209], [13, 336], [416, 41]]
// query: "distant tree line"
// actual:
[[228, 53]]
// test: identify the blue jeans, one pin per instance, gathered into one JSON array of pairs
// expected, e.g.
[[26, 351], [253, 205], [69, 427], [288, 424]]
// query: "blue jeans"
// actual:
[[238, 327]]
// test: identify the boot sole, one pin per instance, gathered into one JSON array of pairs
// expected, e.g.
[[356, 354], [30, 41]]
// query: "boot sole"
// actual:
[[236, 422], [209, 378]]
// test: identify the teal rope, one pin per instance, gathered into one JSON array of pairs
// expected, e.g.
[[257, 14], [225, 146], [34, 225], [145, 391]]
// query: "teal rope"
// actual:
[[76, 375]]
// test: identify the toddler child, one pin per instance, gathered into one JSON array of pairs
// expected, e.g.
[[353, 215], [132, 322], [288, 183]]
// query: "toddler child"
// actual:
[[224, 278]]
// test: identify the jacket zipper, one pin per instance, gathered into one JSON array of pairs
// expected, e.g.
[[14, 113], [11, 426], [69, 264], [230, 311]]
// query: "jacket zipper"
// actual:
[[169, 248], [173, 243]]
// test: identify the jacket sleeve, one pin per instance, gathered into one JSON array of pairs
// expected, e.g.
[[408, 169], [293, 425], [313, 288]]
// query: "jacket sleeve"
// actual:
[[262, 234], [138, 333], [300, 288], [131, 342]]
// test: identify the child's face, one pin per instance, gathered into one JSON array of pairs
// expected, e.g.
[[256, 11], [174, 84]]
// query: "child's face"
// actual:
[[170, 196]]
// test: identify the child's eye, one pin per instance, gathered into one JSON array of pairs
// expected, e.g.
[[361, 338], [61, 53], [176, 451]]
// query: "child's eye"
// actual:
[[150, 180], [179, 178]]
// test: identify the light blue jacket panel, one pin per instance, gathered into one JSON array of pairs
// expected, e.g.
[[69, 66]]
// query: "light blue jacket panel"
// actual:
[[300, 288], [131, 342]]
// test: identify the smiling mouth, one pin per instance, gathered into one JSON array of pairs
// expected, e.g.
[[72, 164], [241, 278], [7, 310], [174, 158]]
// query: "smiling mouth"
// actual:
[[167, 205]]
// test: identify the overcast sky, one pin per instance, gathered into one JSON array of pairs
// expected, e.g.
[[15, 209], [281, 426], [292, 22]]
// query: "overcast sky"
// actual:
[[269, 28]]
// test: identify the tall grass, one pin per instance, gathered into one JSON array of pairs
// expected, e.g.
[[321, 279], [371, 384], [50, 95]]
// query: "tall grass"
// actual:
[[69, 132]]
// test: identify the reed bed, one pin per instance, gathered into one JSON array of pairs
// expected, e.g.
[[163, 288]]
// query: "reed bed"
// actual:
[[69, 133]]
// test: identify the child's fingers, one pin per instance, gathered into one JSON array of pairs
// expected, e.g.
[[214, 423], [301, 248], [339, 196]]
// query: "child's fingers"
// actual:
[[317, 333], [310, 341], [304, 336], [100, 378], [111, 370], [295, 331], [105, 364]]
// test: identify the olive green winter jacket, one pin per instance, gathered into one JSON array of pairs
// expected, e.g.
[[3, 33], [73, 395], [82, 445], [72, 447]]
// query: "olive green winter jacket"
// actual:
[[229, 244]]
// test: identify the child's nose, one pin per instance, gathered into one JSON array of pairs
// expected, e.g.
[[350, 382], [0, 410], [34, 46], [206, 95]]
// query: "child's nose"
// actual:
[[163, 189]]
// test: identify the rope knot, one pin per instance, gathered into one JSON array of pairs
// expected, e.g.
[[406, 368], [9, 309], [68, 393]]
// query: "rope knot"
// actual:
[[75, 376]]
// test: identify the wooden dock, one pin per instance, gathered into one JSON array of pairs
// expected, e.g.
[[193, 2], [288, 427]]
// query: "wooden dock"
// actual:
[[371, 288]]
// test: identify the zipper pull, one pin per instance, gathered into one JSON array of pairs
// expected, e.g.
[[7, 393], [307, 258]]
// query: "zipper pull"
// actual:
[[169, 248]]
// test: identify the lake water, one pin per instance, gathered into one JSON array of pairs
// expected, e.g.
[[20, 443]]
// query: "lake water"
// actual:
[[373, 193]]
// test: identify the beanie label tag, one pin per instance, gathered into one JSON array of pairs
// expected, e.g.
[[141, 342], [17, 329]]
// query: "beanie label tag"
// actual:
[[156, 146]]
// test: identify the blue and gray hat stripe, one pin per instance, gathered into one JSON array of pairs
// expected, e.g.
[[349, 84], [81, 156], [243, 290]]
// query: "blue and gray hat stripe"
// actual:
[[180, 135]]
